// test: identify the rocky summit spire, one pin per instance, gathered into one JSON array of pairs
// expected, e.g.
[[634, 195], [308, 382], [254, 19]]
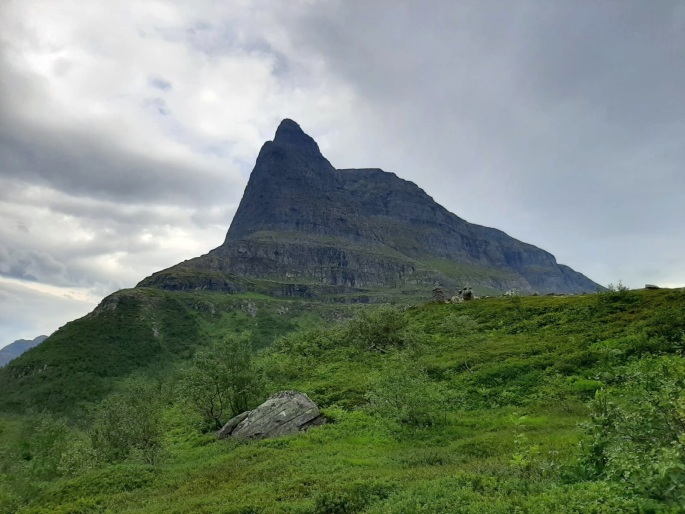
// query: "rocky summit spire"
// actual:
[[289, 175], [289, 134]]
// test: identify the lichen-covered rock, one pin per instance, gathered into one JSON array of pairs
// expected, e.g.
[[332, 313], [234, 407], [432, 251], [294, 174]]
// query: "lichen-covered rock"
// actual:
[[284, 413]]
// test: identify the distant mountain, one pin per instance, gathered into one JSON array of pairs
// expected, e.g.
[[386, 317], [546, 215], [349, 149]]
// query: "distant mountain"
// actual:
[[312, 229], [15, 349]]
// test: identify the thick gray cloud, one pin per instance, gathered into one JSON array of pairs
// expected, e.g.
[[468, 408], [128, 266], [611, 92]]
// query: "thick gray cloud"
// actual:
[[128, 129], [88, 160], [561, 123], [31, 265]]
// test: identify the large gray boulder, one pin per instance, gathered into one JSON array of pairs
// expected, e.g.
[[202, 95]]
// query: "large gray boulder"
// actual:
[[284, 413]]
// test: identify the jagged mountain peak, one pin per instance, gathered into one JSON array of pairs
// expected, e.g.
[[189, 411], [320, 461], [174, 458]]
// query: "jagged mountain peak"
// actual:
[[291, 152], [288, 126], [290, 134]]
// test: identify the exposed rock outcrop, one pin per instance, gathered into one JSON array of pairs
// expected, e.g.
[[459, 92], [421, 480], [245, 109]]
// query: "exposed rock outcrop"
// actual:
[[284, 413]]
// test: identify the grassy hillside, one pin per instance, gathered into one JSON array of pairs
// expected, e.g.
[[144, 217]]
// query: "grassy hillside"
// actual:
[[138, 329], [536, 404]]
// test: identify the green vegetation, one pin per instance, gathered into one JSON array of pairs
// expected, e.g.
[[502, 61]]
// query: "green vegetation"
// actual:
[[129, 421], [533, 404], [221, 381], [466, 274], [144, 329]]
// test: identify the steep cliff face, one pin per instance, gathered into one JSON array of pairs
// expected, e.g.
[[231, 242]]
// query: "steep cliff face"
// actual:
[[302, 222]]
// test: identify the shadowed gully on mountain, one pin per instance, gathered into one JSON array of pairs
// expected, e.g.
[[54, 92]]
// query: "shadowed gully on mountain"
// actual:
[[311, 229]]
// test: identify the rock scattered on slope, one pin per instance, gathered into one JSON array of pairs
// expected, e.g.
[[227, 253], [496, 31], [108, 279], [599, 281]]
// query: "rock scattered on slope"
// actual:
[[464, 295], [284, 413]]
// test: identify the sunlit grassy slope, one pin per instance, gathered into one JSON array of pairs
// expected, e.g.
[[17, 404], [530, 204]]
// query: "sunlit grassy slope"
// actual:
[[492, 393]]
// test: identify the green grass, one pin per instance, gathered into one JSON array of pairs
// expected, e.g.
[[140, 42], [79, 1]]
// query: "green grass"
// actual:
[[466, 274], [507, 384]]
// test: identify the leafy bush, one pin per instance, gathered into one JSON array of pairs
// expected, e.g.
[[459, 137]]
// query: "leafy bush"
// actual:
[[379, 329], [617, 298], [402, 393], [9, 499], [618, 288], [222, 381], [669, 325], [529, 461], [312, 343], [636, 435], [46, 449], [129, 421], [461, 326]]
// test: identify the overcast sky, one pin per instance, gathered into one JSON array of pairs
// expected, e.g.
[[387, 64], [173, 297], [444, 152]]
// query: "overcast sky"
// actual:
[[128, 128]]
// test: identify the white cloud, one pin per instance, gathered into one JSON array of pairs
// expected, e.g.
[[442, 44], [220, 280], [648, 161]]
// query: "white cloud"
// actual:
[[29, 310]]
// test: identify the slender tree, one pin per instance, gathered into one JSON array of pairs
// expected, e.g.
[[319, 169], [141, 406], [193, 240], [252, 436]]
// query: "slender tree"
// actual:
[[222, 381]]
